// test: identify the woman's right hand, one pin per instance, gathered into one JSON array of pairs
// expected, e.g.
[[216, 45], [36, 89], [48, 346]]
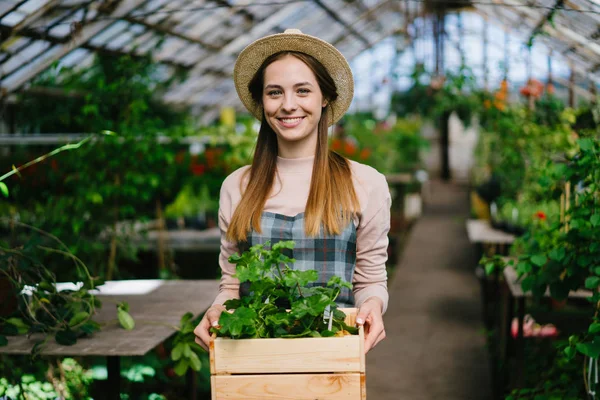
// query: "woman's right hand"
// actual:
[[211, 318]]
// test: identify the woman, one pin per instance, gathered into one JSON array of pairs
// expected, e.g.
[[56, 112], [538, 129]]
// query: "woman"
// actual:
[[336, 210]]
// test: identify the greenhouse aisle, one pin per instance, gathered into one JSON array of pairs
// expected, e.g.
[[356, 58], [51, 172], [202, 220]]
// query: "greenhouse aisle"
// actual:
[[435, 346]]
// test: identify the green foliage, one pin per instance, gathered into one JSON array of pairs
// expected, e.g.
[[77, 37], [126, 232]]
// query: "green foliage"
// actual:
[[276, 288], [440, 97], [47, 379], [81, 196], [517, 150], [565, 255], [186, 352], [389, 149], [494, 264]]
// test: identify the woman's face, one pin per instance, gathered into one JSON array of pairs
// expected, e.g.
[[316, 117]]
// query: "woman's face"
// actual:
[[292, 102]]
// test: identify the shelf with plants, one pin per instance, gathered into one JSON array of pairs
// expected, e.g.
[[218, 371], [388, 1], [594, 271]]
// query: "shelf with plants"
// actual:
[[546, 168]]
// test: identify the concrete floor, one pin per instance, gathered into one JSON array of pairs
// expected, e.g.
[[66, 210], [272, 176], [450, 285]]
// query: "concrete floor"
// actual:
[[435, 346]]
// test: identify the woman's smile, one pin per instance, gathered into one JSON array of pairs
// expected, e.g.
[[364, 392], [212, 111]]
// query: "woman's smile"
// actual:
[[290, 122]]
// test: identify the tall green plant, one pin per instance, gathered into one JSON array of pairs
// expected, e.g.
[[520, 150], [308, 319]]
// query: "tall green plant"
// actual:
[[122, 178]]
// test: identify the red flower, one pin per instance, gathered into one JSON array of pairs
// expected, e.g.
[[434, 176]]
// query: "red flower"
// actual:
[[198, 169], [364, 154], [349, 148], [336, 145], [541, 215]]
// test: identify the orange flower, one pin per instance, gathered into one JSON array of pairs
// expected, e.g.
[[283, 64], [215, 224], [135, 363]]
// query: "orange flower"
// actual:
[[499, 105], [364, 154], [504, 85], [349, 148], [541, 215], [336, 145]]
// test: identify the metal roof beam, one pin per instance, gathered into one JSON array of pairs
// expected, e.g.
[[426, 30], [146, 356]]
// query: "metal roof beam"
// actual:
[[87, 32], [166, 31], [336, 17]]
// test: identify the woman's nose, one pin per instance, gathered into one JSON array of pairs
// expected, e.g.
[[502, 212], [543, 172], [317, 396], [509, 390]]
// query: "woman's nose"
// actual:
[[289, 104]]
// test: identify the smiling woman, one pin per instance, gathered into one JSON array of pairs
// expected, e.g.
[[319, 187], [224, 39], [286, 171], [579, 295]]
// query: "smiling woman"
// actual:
[[335, 210]]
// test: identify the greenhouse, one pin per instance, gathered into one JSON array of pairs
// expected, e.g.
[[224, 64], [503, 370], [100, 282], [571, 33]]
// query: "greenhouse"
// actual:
[[300, 199]]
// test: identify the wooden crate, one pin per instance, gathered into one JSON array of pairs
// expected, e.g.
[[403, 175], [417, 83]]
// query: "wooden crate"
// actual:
[[295, 369]]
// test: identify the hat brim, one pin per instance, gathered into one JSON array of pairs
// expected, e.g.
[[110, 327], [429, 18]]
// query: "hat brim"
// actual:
[[252, 57]]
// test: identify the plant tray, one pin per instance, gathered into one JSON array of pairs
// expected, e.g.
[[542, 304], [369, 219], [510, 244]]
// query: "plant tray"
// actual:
[[295, 369]]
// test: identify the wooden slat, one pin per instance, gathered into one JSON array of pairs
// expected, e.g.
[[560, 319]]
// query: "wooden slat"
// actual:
[[282, 387], [247, 356], [252, 356]]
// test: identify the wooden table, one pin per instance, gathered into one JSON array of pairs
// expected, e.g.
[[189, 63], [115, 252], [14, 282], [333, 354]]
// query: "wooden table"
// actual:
[[481, 231], [515, 292], [182, 240], [489, 241], [150, 302]]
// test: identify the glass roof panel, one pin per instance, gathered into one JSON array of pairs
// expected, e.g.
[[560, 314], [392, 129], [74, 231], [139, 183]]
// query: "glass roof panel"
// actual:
[[13, 18], [109, 33], [25, 56], [7, 5], [74, 57], [32, 6]]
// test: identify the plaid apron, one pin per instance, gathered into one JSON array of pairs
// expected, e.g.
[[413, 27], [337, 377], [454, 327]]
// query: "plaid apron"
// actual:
[[330, 255]]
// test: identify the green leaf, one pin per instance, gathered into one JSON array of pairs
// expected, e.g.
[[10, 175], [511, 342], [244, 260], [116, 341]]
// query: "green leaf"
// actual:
[[585, 144], [4, 189], [181, 367], [66, 337], [21, 326], [591, 350], [187, 350], [557, 254], [78, 318], [194, 361], [123, 306], [592, 282], [236, 322], [177, 352], [570, 352], [186, 317], [90, 327], [249, 273], [294, 278], [595, 220], [125, 319], [539, 260], [594, 328], [489, 268], [289, 244], [3, 340]]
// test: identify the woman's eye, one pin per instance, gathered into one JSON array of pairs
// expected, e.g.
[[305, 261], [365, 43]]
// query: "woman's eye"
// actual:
[[274, 92], [303, 91]]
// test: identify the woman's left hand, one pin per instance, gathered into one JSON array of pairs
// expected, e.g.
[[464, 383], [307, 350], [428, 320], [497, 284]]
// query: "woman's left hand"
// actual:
[[370, 316]]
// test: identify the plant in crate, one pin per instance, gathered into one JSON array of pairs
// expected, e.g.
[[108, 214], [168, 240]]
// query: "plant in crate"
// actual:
[[286, 332], [280, 300]]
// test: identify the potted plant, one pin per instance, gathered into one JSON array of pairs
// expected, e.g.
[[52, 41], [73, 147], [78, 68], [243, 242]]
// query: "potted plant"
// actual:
[[285, 333]]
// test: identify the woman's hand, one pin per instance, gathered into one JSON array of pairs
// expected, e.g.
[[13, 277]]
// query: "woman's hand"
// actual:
[[211, 318], [370, 316]]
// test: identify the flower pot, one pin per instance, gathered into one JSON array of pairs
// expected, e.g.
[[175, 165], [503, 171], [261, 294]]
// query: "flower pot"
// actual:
[[304, 368]]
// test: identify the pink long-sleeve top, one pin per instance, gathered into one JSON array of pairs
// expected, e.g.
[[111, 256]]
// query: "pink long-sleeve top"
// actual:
[[289, 196]]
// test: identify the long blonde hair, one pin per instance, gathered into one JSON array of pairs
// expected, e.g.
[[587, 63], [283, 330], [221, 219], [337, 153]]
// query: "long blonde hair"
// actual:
[[332, 200]]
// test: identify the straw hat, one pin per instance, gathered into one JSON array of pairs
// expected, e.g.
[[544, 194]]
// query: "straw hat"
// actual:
[[252, 57]]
